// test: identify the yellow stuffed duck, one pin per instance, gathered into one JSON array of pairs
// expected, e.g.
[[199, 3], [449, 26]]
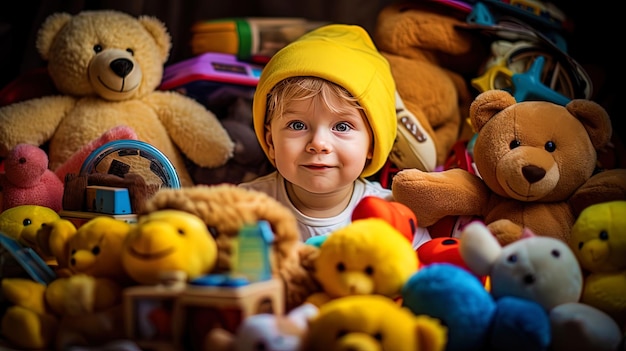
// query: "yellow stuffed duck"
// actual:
[[599, 242], [368, 256], [106, 66], [168, 241], [372, 322]]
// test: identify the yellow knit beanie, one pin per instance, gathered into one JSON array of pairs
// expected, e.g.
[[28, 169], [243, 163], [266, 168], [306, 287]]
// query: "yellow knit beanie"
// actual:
[[344, 55]]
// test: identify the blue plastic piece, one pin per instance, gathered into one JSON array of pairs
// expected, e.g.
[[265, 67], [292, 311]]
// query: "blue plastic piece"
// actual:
[[481, 15], [316, 241], [528, 85], [223, 280], [30, 261]]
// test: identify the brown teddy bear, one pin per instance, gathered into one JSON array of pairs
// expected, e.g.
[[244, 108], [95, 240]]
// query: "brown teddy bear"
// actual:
[[535, 161], [430, 56], [107, 66], [225, 209]]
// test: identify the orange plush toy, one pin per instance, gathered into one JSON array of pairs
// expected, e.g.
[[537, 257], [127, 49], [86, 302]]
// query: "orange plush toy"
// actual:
[[430, 58]]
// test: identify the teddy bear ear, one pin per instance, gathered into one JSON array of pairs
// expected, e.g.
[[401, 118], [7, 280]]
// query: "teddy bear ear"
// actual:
[[487, 105], [595, 120], [49, 30], [159, 32]]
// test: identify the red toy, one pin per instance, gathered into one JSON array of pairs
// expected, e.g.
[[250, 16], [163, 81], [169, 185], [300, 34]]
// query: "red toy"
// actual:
[[443, 250], [395, 213]]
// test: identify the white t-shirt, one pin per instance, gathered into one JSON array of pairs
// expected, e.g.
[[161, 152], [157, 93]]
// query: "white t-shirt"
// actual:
[[273, 184]]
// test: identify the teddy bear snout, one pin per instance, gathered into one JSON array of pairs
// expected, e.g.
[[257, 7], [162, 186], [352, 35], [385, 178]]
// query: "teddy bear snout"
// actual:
[[533, 173], [121, 67], [114, 74]]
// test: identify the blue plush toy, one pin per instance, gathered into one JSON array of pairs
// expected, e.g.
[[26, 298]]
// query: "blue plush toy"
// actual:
[[475, 320]]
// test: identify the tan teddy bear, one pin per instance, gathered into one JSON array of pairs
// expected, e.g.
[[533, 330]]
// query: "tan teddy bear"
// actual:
[[107, 66], [430, 56], [537, 168]]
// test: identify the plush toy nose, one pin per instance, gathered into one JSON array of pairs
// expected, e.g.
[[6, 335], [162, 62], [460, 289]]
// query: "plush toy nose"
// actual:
[[533, 173], [122, 67]]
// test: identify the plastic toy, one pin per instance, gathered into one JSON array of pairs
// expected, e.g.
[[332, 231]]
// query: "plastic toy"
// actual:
[[599, 242], [368, 256], [372, 322], [397, 214]]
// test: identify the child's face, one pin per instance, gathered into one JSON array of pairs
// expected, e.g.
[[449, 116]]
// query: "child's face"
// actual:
[[319, 150]]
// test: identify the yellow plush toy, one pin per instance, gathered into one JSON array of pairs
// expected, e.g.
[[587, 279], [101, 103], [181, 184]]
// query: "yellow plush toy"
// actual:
[[168, 241], [107, 66], [368, 256], [84, 302], [599, 242], [226, 208], [23, 222], [372, 322]]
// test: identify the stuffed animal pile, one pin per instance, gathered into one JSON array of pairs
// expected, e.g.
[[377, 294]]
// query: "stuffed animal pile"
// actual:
[[537, 168], [107, 66], [541, 268]]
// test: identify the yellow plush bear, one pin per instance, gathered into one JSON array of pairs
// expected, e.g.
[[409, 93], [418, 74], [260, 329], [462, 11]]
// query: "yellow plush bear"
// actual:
[[368, 256], [82, 306], [599, 242], [372, 322], [107, 66]]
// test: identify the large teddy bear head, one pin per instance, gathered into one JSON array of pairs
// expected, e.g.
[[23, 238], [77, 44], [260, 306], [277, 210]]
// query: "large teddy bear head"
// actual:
[[536, 162], [106, 66], [429, 55]]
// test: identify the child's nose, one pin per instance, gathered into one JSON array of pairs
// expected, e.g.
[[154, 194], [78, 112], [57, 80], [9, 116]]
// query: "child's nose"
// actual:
[[319, 142]]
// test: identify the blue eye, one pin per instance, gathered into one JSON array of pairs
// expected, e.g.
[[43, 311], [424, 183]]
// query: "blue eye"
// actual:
[[296, 125], [342, 127]]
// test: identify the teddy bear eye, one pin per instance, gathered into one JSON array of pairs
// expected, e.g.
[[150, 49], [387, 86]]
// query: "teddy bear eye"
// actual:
[[341, 333], [550, 146], [555, 253], [214, 232], [369, 270], [341, 267], [512, 258], [130, 51], [97, 48], [604, 235], [27, 222], [378, 336], [95, 250], [514, 144], [181, 232]]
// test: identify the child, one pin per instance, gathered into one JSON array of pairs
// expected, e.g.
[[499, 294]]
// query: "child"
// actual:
[[324, 113]]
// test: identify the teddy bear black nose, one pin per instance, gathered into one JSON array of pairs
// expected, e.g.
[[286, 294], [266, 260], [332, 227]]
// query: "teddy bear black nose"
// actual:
[[121, 67], [529, 279], [533, 173]]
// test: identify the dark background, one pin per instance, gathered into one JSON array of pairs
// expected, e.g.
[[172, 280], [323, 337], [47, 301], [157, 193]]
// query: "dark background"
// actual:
[[594, 40]]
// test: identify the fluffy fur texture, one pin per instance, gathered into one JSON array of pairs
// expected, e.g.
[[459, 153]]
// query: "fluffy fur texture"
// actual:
[[536, 162], [226, 208], [429, 55], [107, 66]]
